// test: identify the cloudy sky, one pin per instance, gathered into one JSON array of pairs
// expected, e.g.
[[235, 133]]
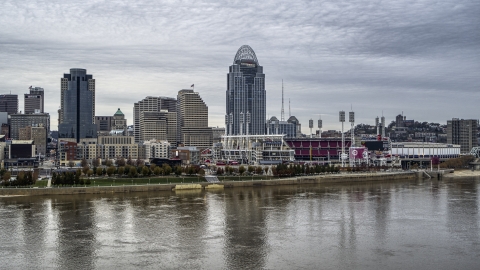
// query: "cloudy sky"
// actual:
[[421, 58]]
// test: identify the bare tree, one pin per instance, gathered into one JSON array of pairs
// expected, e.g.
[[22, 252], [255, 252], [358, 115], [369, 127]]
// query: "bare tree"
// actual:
[[96, 162], [108, 163], [130, 161], [120, 161], [84, 163]]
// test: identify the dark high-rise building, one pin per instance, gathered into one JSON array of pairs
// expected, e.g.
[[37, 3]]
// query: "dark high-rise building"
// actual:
[[246, 95], [77, 105], [34, 100], [9, 103], [462, 132]]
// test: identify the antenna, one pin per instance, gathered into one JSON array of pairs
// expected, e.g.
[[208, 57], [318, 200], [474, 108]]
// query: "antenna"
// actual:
[[282, 114], [289, 112]]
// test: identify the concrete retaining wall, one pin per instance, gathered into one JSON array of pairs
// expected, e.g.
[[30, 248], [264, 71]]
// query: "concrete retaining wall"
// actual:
[[339, 178], [83, 190]]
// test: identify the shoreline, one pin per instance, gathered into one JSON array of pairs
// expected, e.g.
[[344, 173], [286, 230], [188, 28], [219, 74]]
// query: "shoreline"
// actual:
[[462, 174], [317, 179]]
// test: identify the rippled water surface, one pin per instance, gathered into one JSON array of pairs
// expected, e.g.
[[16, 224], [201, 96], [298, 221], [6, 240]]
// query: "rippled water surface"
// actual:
[[376, 225]]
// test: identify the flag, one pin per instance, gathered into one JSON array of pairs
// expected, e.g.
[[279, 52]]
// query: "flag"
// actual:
[[192, 85]]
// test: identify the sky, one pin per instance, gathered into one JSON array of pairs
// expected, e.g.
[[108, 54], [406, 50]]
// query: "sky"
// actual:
[[419, 58]]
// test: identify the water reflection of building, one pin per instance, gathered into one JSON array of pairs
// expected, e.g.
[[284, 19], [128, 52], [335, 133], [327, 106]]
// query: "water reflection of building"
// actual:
[[246, 240], [76, 243], [462, 211]]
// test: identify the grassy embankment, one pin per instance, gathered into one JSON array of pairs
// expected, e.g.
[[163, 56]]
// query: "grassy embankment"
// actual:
[[112, 181]]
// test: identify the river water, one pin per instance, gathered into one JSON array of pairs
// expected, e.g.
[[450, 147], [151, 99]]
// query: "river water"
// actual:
[[374, 225]]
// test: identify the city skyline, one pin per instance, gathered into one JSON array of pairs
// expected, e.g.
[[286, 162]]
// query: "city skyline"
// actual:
[[418, 58]]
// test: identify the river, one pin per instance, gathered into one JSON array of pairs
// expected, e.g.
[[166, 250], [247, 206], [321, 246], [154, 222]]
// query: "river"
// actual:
[[410, 224]]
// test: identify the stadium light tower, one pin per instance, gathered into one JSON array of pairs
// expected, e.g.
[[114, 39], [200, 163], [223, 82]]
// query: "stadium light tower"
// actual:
[[320, 124], [351, 119], [241, 123], [310, 125], [342, 120]]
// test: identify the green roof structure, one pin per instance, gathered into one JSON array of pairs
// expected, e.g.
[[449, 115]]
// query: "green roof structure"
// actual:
[[119, 112]]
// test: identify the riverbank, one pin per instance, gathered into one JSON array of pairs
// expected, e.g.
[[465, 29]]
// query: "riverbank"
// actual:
[[462, 174], [316, 179]]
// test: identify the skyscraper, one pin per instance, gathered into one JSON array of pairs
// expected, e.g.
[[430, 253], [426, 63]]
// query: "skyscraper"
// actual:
[[463, 132], [246, 95], [151, 104], [9, 103], [34, 100], [193, 120], [160, 126], [77, 105]]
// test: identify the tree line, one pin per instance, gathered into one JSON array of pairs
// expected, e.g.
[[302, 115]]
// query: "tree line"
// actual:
[[23, 178], [280, 170]]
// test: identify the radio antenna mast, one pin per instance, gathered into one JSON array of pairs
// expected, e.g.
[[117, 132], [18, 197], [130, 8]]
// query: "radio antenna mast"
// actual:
[[282, 115]]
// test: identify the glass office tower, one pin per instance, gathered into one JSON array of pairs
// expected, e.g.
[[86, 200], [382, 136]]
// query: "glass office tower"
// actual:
[[246, 96], [77, 105]]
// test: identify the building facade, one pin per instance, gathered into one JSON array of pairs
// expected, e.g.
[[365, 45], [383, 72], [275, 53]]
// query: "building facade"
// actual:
[[157, 149], [18, 121], [103, 124], [218, 132], [34, 101], [275, 126], [9, 103], [298, 127], [462, 132], [160, 126], [151, 104], [192, 120], [246, 95], [119, 122], [77, 105], [103, 147]]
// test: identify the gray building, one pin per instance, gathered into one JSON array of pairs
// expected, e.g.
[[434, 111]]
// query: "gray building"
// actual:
[[18, 121], [77, 105], [275, 126], [246, 95], [462, 132], [192, 114], [9, 103], [3, 118], [298, 127], [104, 124], [34, 100], [160, 126], [218, 132], [150, 104]]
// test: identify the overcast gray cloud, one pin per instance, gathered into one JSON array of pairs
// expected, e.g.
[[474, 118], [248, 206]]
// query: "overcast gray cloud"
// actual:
[[419, 57]]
